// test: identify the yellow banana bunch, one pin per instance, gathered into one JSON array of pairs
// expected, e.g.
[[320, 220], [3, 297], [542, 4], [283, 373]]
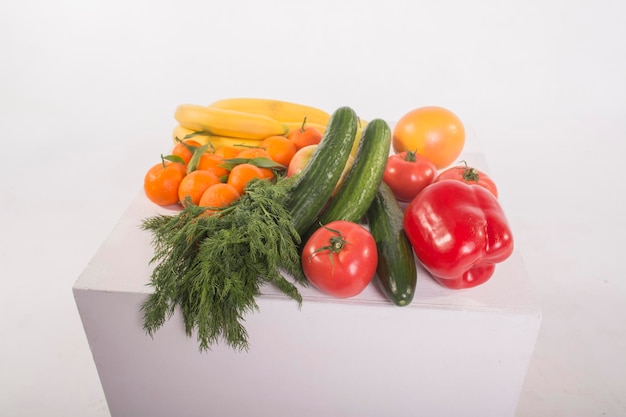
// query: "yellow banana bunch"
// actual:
[[282, 111], [248, 121], [230, 123], [214, 142]]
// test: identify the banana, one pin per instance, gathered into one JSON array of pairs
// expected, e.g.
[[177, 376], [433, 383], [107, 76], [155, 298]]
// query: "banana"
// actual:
[[230, 123], [215, 142], [283, 111], [203, 123], [218, 141], [182, 133]]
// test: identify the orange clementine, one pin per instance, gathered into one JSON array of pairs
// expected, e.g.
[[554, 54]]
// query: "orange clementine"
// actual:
[[184, 149], [218, 196], [212, 162], [251, 153], [268, 173], [242, 174], [280, 149], [228, 152], [161, 182], [305, 135], [194, 184]]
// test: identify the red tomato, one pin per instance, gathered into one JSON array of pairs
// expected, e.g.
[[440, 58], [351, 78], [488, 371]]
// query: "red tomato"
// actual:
[[469, 175], [340, 258], [407, 173]]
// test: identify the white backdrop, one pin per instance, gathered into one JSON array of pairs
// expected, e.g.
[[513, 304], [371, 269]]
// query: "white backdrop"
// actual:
[[87, 94]]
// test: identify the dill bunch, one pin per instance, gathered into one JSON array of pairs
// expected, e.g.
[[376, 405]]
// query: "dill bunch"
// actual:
[[212, 267]]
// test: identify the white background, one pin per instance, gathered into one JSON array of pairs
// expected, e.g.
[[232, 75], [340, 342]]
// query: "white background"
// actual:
[[87, 94]]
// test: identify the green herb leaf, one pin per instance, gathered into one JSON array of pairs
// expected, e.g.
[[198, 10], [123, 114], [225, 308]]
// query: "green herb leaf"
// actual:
[[212, 267]]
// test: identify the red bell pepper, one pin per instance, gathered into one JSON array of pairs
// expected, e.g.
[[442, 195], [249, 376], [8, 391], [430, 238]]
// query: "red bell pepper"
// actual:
[[459, 233]]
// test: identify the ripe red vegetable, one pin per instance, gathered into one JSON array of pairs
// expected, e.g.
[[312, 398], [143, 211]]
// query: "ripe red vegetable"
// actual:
[[340, 258], [469, 175], [459, 233], [408, 173]]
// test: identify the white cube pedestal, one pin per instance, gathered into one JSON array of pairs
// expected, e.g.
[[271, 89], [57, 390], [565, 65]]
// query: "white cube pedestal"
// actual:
[[449, 353]]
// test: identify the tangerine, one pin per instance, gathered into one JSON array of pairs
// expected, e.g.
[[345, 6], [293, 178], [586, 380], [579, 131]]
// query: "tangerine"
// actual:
[[194, 184], [218, 196], [251, 153], [228, 152], [280, 149], [185, 148], [305, 135], [161, 182], [242, 174], [212, 162]]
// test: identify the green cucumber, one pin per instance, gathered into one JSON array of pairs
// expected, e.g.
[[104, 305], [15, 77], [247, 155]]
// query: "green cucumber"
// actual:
[[356, 192], [316, 182], [396, 273]]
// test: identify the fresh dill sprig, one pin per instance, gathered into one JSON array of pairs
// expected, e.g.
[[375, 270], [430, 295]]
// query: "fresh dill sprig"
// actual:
[[212, 267]]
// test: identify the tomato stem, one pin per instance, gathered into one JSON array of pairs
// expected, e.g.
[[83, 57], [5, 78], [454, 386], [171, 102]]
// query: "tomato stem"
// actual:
[[470, 174], [410, 156], [336, 244]]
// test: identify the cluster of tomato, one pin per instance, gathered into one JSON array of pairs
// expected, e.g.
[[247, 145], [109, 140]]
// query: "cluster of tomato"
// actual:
[[427, 141], [215, 178], [408, 173]]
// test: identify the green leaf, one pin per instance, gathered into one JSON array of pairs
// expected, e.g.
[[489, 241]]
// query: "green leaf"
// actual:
[[195, 159], [174, 158], [259, 161]]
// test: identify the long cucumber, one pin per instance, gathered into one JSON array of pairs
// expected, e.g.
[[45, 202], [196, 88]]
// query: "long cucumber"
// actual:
[[316, 182], [357, 191], [396, 273]]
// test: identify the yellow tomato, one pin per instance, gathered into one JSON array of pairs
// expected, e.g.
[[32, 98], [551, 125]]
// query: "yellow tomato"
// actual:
[[433, 132]]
